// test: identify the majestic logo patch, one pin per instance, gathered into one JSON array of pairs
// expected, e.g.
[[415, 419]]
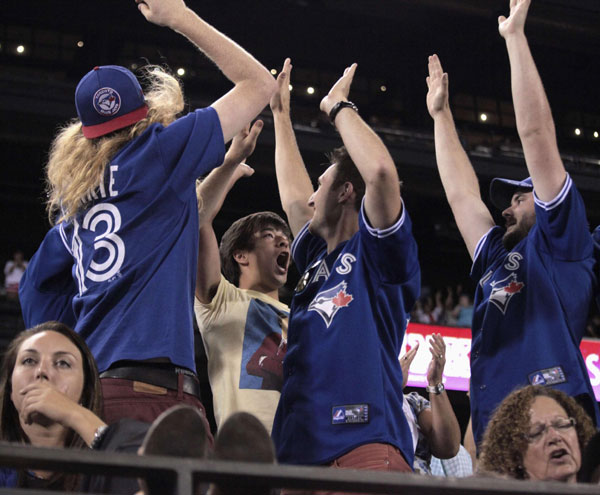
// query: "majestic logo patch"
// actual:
[[107, 101], [350, 414], [503, 290], [329, 302], [549, 376]]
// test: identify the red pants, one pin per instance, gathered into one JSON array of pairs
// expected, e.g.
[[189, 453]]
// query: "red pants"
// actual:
[[371, 456], [374, 457], [144, 402]]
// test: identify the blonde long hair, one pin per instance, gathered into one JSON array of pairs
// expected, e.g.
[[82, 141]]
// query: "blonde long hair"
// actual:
[[76, 164]]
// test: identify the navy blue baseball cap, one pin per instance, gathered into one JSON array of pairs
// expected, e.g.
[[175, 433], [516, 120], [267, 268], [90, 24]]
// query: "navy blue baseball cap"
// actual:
[[109, 98], [502, 190]]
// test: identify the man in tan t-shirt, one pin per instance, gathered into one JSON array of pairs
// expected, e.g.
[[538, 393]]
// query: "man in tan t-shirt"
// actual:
[[242, 322]]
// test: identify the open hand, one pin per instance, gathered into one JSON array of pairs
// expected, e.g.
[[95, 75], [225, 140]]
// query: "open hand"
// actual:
[[243, 144], [435, 371], [340, 90], [516, 19], [280, 101], [406, 361], [437, 84]]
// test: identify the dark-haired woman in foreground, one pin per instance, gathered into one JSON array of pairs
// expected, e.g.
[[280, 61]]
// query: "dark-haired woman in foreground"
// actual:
[[49, 397]]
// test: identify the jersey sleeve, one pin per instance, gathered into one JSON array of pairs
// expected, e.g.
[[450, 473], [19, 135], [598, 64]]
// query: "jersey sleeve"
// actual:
[[395, 249], [487, 250], [47, 288], [305, 248], [191, 146], [563, 228]]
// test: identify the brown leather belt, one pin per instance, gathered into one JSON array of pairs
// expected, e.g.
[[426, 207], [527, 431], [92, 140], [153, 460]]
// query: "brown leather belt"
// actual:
[[158, 375]]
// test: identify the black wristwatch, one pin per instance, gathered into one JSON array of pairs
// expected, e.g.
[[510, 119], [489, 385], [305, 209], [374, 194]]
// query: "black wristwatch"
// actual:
[[338, 106], [437, 389]]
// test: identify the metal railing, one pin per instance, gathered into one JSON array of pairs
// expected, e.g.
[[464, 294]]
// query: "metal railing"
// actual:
[[188, 472]]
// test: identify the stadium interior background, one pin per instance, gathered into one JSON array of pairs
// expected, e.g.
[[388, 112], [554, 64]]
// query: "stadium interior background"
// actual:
[[390, 39]]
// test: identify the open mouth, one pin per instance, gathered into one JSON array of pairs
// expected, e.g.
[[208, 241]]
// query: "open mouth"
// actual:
[[282, 260], [558, 454]]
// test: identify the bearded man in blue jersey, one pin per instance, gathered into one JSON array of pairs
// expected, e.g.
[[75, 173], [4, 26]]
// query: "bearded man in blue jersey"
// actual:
[[535, 278], [341, 401]]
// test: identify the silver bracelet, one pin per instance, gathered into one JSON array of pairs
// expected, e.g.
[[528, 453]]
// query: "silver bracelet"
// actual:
[[98, 435], [436, 389]]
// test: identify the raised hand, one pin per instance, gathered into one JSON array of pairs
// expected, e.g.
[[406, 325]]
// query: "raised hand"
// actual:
[[280, 101], [516, 20], [435, 370], [406, 361], [243, 144], [340, 90], [43, 404], [437, 84], [161, 12]]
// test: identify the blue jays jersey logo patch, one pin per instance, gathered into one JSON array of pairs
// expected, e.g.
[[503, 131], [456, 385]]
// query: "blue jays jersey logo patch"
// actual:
[[329, 302], [503, 291], [107, 101]]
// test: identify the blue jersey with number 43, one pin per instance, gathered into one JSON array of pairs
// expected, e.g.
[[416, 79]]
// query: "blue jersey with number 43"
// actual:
[[123, 271]]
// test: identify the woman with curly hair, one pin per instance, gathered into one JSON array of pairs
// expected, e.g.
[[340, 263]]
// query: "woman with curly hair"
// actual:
[[536, 433]]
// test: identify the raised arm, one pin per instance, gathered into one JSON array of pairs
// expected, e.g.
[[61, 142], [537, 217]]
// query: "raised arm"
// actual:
[[369, 154], [532, 110], [253, 83], [211, 194], [439, 424], [456, 172], [293, 181]]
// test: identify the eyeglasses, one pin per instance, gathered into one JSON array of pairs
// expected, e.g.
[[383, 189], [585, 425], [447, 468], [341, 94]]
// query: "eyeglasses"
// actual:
[[538, 431]]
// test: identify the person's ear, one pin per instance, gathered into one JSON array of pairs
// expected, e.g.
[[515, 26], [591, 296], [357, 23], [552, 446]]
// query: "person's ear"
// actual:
[[241, 257], [346, 191]]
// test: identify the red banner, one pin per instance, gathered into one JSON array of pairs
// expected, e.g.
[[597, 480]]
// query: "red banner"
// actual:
[[458, 347]]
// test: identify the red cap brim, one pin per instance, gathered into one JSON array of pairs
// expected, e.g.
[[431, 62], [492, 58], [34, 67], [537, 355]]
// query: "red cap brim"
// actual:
[[94, 131]]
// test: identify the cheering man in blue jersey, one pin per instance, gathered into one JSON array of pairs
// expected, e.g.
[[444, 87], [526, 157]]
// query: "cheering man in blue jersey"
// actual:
[[535, 278], [341, 401]]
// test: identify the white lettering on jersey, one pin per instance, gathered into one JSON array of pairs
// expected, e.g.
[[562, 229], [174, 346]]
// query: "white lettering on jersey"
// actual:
[[346, 263], [513, 261], [485, 278], [322, 271], [108, 214], [111, 181], [76, 246]]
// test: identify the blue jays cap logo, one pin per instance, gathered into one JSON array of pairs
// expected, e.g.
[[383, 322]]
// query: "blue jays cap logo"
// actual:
[[503, 291], [107, 101], [329, 302]]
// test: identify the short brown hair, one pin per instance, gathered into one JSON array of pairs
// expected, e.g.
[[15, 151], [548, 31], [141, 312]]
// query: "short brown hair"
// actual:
[[240, 236], [505, 439], [346, 171]]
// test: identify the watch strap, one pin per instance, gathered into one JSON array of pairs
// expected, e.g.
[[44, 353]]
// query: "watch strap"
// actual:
[[436, 389], [338, 106]]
